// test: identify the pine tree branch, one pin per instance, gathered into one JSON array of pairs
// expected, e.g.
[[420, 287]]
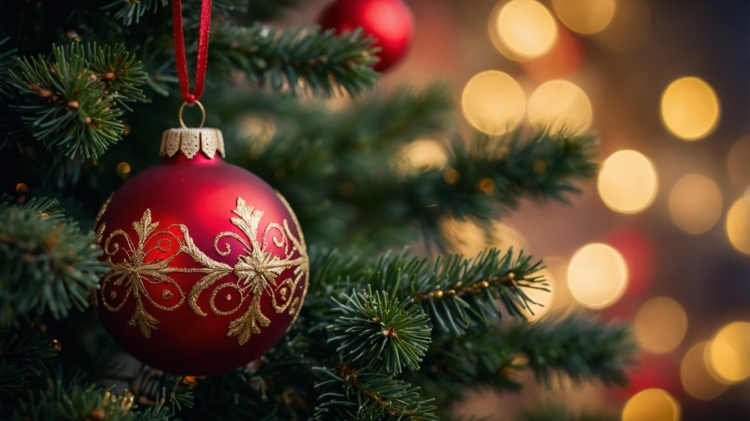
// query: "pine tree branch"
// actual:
[[570, 347], [23, 356], [338, 169], [46, 261], [70, 101], [130, 12], [457, 293], [350, 395], [298, 59], [377, 332], [80, 401]]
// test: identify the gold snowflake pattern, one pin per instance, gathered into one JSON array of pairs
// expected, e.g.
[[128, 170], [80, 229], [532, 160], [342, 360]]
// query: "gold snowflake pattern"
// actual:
[[148, 262]]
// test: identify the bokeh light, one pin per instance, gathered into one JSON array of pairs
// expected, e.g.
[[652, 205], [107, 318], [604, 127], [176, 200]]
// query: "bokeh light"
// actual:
[[738, 224], [585, 16], [560, 62], [728, 352], [257, 130], [739, 170], [690, 108], [493, 102], [651, 405], [123, 170], [696, 379], [695, 203], [468, 238], [628, 29], [526, 28], [660, 325], [560, 105], [420, 155], [597, 275], [627, 182]]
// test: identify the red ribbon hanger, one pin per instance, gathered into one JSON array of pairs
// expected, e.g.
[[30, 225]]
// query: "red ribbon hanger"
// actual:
[[179, 51]]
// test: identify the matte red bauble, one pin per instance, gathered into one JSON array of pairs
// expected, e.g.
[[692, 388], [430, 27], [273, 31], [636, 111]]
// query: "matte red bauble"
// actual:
[[388, 21], [208, 265]]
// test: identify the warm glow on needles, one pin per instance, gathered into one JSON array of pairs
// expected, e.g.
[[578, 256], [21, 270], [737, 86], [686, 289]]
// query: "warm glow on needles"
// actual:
[[651, 405], [728, 352], [627, 182], [738, 224], [696, 378], [660, 325], [597, 275], [493, 102], [585, 16], [526, 28], [695, 203], [420, 155], [560, 105], [690, 108]]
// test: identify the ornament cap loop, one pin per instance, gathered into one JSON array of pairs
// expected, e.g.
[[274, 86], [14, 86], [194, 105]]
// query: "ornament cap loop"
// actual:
[[191, 141], [203, 111]]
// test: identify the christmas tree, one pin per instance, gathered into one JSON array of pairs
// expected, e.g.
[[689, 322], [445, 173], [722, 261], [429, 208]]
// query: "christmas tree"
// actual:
[[385, 332]]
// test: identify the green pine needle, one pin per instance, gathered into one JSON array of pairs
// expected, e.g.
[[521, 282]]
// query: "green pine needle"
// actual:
[[46, 261], [376, 331]]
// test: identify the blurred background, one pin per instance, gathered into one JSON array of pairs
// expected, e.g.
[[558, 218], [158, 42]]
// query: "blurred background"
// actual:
[[662, 238]]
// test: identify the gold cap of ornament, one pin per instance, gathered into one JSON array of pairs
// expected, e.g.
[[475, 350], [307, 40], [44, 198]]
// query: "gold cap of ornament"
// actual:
[[191, 141]]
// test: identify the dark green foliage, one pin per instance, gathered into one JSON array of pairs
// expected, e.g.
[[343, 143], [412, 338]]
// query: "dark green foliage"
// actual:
[[131, 11], [343, 180], [350, 395], [46, 261], [77, 402], [69, 101], [575, 348], [276, 387], [318, 59], [23, 357], [398, 332], [554, 348], [456, 292], [264, 10]]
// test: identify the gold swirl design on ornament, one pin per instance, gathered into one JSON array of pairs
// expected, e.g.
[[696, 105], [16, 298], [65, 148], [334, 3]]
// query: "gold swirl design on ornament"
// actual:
[[256, 270]]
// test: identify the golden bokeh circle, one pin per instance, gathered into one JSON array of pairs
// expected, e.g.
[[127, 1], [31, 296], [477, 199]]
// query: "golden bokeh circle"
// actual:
[[493, 102], [597, 275], [585, 16], [627, 182], [660, 325], [651, 405], [560, 105], [695, 203], [738, 224], [728, 352], [526, 28], [690, 108]]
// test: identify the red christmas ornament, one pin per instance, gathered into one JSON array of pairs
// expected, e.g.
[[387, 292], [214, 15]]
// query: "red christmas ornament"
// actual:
[[388, 21], [208, 265]]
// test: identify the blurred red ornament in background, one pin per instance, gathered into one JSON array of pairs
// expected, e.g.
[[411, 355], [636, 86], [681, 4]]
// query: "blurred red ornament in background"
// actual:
[[653, 371], [388, 21], [560, 62], [208, 266], [639, 253]]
